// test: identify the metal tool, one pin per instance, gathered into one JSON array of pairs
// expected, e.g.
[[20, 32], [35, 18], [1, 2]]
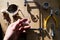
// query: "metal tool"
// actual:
[[53, 31], [46, 21], [27, 1]]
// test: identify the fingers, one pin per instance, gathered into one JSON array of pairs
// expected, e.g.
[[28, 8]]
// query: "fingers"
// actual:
[[23, 20], [25, 24], [16, 23], [24, 29], [27, 27], [19, 24]]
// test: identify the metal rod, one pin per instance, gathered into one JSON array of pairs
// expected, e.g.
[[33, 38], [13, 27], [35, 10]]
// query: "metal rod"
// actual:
[[35, 29], [41, 20]]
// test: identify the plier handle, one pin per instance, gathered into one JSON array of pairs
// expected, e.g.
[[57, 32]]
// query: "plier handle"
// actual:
[[47, 20]]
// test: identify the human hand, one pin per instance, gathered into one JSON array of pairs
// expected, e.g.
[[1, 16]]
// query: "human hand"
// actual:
[[16, 28]]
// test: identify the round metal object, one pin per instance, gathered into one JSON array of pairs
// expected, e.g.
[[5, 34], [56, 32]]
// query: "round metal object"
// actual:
[[12, 8], [46, 5], [57, 11]]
